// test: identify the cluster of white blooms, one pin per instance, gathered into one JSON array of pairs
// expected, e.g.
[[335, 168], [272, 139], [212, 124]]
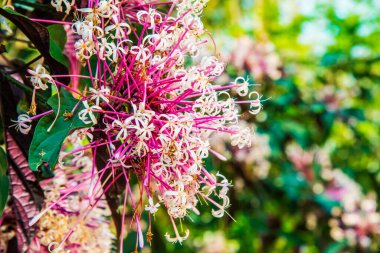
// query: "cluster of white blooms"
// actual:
[[155, 112], [180, 138], [89, 230]]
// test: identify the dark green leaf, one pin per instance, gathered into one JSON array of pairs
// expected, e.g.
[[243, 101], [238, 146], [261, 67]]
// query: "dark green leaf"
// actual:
[[41, 97], [4, 189], [327, 203], [45, 146], [3, 163], [57, 43], [336, 247], [4, 180]]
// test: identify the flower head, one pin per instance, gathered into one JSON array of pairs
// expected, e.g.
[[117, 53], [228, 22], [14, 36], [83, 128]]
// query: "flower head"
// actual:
[[23, 123], [152, 114], [39, 77]]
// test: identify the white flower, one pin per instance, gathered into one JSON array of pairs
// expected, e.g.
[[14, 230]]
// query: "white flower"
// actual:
[[104, 49], [58, 5], [107, 8], [117, 160], [121, 29], [86, 29], [141, 115], [88, 111], [84, 49], [193, 23], [145, 132], [211, 62], [123, 132], [40, 78], [161, 41], [99, 94], [142, 53], [158, 61], [152, 208], [91, 14], [208, 104], [78, 136], [141, 148], [118, 49], [152, 15], [255, 105], [230, 111], [178, 238], [242, 138], [23, 123], [220, 212], [224, 184], [242, 86], [178, 56]]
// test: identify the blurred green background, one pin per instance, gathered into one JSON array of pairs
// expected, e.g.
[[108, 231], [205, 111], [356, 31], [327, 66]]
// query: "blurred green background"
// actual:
[[309, 181]]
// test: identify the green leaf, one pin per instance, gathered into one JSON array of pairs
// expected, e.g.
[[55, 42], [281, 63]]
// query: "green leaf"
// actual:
[[3, 163], [58, 40], [336, 247], [326, 203], [41, 97], [4, 181], [32, 5], [45, 147]]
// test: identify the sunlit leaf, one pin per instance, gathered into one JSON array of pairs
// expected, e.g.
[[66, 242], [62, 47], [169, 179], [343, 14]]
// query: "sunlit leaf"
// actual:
[[45, 147]]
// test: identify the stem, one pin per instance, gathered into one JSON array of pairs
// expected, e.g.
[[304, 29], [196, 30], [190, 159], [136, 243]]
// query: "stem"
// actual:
[[58, 110]]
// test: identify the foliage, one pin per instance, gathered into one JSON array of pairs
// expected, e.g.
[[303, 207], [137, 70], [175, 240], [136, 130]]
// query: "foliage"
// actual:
[[46, 145]]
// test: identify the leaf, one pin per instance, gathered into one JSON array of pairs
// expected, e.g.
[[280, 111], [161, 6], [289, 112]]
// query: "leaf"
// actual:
[[40, 97], [32, 5], [45, 147], [58, 40], [4, 181], [3, 163], [27, 195], [39, 36], [327, 203], [336, 247]]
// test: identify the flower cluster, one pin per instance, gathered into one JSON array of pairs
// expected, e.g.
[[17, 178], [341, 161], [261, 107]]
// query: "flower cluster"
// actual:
[[68, 209], [152, 104], [260, 58], [253, 156], [356, 218], [359, 225]]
